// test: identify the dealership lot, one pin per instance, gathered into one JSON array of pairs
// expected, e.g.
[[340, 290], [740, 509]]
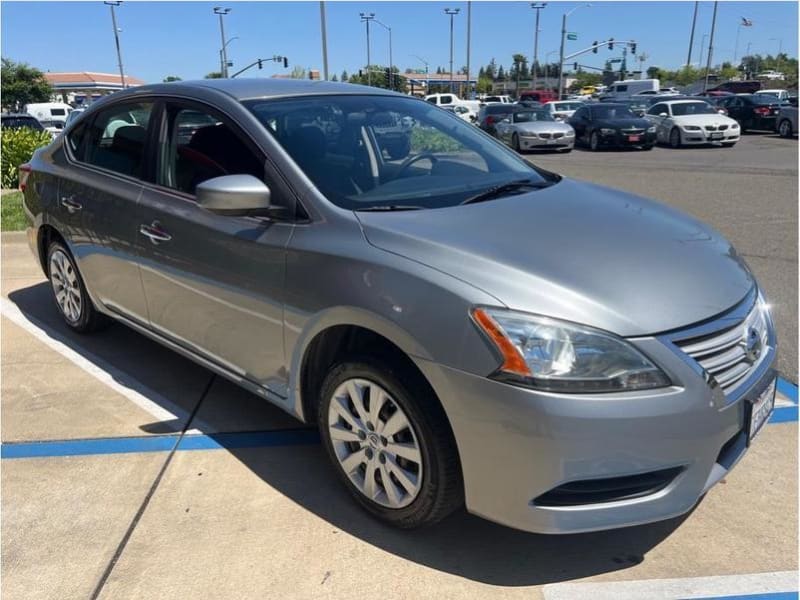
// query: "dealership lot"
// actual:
[[130, 472]]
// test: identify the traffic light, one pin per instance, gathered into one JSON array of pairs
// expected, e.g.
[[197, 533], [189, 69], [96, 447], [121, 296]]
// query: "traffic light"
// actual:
[[360, 73], [575, 66], [611, 44], [389, 78], [633, 48], [285, 63], [594, 46], [259, 63]]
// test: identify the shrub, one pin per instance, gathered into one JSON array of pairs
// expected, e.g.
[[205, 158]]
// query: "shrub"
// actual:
[[17, 147]]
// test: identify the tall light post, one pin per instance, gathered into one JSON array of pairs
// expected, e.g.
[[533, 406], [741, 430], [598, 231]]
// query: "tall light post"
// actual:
[[470, 94], [224, 48], [561, 55], [691, 36], [702, 45], [218, 10], [112, 4], [366, 18], [324, 31], [537, 6], [391, 72], [547, 69], [710, 46], [452, 12], [427, 80]]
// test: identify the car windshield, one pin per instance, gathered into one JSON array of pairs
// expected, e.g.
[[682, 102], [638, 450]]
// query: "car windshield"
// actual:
[[530, 116], [568, 105], [371, 152], [763, 99], [612, 112], [692, 108]]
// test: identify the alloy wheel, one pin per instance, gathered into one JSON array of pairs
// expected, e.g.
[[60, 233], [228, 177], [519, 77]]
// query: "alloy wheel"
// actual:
[[785, 128], [675, 138], [594, 141], [66, 287], [375, 443]]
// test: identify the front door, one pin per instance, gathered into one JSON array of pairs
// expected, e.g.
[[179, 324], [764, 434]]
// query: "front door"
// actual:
[[214, 284]]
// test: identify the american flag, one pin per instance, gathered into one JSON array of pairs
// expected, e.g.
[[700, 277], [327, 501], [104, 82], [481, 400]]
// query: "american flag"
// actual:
[[746, 22]]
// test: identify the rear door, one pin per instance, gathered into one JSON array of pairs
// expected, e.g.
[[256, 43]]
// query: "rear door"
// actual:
[[214, 284], [96, 209]]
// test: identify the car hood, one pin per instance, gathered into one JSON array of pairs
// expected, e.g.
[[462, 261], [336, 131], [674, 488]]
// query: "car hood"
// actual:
[[578, 252], [639, 123], [539, 126], [716, 119]]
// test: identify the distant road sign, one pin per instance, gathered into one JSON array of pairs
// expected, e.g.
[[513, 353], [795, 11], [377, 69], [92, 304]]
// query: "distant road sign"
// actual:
[[572, 36]]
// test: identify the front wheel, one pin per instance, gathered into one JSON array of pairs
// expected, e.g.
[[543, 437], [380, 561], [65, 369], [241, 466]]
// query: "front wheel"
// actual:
[[785, 128], [69, 291], [390, 443], [594, 141], [515, 143], [675, 138]]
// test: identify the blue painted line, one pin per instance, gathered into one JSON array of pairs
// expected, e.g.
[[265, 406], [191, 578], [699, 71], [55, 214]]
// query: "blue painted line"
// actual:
[[161, 443], [788, 389], [784, 414], [765, 596]]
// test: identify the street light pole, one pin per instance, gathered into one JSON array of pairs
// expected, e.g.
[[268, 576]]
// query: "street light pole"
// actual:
[[547, 68], [780, 51], [537, 6], [470, 95], [710, 46], [452, 12], [366, 18], [691, 36], [391, 71], [702, 45], [324, 39], [218, 10], [561, 55], [112, 4]]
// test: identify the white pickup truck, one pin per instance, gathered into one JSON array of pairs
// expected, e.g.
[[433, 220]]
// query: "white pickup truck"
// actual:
[[452, 100]]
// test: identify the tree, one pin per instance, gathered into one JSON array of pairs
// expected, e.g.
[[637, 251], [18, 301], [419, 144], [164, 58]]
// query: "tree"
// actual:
[[23, 84], [491, 69], [345, 76], [501, 74], [298, 72], [438, 70], [213, 75], [334, 78], [169, 78], [484, 85], [653, 72]]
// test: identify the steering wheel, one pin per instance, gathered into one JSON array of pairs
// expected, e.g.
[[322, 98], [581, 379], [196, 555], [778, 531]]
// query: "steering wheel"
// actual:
[[412, 159]]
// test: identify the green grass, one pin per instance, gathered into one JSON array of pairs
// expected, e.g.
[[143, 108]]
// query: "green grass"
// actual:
[[12, 217]]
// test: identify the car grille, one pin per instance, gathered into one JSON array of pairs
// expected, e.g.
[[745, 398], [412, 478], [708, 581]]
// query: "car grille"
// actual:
[[632, 131], [545, 136], [731, 353], [557, 135]]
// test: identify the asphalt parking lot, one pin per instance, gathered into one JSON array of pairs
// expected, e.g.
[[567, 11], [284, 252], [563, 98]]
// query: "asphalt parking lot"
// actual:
[[130, 472]]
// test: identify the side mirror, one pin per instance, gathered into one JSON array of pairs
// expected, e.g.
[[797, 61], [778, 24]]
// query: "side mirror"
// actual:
[[662, 115], [506, 120], [234, 195], [721, 111]]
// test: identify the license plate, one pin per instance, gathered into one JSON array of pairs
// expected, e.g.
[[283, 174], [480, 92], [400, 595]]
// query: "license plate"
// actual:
[[760, 410], [634, 138], [551, 141], [716, 136]]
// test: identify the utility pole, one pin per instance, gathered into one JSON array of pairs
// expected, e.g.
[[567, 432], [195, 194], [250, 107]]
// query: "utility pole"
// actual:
[[642, 57], [702, 46], [452, 12], [710, 46], [324, 39], [366, 18], [537, 6], [469, 39], [112, 4], [691, 36], [561, 55], [390, 83], [224, 62]]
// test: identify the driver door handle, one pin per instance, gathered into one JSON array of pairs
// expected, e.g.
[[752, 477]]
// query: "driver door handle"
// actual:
[[155, 233], [70, 204]]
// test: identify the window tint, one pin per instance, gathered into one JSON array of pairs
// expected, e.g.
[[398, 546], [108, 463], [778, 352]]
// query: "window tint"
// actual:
[[116, 139], [658, 109], [57, 112], [200, 146], [692, 108]]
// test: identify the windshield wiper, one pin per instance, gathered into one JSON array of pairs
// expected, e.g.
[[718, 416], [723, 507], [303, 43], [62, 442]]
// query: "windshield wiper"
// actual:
[[506, 188], [388, 208]]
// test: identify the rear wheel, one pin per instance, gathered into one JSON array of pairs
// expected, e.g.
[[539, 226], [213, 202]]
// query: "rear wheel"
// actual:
[[390, 443], [785, 128], [594, 141], [675, 138], [515, 142], [69, 292]]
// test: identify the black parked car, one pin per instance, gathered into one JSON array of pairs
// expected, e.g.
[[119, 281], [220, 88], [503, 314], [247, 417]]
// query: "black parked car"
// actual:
[[20, 121], [752, 111], [491, 114], [607, 124]]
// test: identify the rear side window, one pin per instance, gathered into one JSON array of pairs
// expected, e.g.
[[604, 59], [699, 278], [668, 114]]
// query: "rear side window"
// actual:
[[115, 140], [57, 112], [19, 122]]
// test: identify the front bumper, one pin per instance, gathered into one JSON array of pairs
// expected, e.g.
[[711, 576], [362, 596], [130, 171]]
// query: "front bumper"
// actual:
[[708, 137], [517, 444], [620, 140], [531, 143]]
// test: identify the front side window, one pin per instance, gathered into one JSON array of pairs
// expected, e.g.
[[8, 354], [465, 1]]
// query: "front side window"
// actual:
[[658, 109], [692, 108], [364, 151], [115, 140], [201, 146]]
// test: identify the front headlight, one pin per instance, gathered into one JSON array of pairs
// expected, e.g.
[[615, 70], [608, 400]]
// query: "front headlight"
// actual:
[[556, 356], [651, 129], [570, 133], [607, 131], [528, 134], [735, 126], [691, 128]]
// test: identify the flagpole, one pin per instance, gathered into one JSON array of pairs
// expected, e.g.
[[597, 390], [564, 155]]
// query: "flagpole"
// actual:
[[736, 45]]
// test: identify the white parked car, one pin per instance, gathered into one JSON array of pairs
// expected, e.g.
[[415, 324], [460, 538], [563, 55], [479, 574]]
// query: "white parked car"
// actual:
[[452, 100], [685, 122], [463, 112], [779, 94], [501, 99], [772, 75], [562, 109], [668, 91]]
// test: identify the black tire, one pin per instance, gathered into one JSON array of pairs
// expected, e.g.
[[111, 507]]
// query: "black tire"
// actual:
[[441, 491], [675, 138], [594, 141], [515, 143], [86, 319], [785, 128], [648, 147], [742, 128]]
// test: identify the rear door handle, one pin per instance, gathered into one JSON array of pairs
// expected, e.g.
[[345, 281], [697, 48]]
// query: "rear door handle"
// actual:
[[155, 233], [70, 204]]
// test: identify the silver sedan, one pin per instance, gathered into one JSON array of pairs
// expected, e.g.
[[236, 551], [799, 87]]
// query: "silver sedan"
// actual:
[[536, 129]]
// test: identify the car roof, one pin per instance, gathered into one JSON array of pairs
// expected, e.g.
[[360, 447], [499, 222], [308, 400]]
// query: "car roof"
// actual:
[[252, 88], [17, 115]]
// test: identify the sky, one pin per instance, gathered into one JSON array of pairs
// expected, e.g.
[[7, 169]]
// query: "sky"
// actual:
[[183, 38]]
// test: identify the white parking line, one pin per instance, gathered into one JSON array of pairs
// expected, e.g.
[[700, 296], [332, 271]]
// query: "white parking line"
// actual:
[[142, 396], [674, 589]]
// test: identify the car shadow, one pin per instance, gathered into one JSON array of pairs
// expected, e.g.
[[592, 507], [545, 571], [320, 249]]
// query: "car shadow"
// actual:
[[462, 544]]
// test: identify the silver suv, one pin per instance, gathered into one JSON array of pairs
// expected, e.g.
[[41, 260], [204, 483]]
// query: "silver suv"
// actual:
[[464, 327]]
